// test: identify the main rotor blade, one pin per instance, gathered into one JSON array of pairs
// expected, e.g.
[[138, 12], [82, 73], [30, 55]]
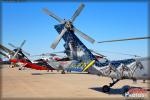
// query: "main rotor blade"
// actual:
[[46, 54], [97, 53], [19, 49], [16, 53], [12, 45], [112, 52], [77, 12], [84, 35], [127, 39], [26, 53], [59, 52], [55, 43], [5, 55], [6, 49], [53, 15], [22, 44]]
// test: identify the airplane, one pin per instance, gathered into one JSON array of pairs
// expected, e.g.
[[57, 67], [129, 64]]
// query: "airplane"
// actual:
[[77, 51]]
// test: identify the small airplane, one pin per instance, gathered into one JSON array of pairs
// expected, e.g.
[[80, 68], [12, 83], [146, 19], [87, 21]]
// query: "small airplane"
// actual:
[[77, 51]]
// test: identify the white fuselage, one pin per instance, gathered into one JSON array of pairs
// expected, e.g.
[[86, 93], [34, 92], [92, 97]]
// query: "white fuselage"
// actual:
[[134, 70]]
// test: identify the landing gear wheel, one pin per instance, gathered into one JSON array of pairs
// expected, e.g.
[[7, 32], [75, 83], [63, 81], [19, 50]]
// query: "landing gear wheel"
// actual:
[[106, 88], [63, 72], [12, 66], [19, 68], [126, 89]]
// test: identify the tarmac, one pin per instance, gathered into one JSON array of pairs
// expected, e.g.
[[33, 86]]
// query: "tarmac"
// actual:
[[53, 85]]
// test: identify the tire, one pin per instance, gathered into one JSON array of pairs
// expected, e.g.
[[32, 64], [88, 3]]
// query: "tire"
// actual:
[[126, 89], [106, 88], [63, 72]]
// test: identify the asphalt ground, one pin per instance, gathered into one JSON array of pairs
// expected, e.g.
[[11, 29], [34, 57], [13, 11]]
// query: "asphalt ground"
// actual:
[[34, 84]]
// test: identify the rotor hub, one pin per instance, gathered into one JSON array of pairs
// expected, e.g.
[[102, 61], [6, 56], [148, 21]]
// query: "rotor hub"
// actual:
[[68, 25]]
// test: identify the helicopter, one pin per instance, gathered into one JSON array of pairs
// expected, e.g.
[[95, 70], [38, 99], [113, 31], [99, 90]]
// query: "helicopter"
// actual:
[[76, 50], [18, 58], [56, 61]]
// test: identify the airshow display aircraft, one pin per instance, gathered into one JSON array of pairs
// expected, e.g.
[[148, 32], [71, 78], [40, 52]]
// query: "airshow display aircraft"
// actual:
[[59, 62], [77, 51], [17, 57], [55, 62]]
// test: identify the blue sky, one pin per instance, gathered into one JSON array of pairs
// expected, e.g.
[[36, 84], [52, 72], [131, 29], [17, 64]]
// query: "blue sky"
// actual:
[[100, 20]]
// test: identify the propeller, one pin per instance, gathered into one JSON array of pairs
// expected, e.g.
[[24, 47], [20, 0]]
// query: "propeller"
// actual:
[[68, 25], [127, 39], [20, 48]]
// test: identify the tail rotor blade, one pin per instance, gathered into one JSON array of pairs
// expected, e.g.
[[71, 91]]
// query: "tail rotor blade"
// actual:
[[84, 35], [53, 15], [55, 43], [127, 39], [77, 12]]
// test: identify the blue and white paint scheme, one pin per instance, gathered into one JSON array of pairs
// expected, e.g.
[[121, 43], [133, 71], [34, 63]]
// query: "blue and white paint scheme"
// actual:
[[77, 51]]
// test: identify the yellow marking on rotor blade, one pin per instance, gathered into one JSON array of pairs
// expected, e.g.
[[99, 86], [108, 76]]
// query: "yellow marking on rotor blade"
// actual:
[[89, 65]]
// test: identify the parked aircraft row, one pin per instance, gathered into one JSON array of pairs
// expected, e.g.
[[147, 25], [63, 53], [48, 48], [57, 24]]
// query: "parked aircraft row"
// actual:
[[79, 57]]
